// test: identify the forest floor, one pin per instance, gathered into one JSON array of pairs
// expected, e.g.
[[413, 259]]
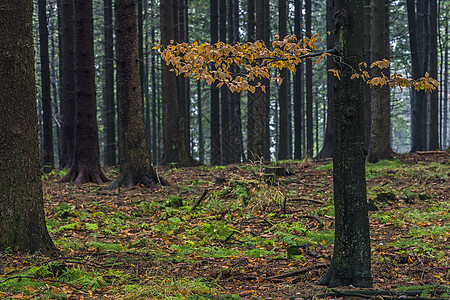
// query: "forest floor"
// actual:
[[248, 229]]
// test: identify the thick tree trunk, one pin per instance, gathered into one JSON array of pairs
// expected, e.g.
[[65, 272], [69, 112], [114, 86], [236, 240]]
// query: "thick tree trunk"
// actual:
[[22, 221], [85, 166], [109, 130], [351, 256], [67, 78], [283, 96], [135, 165], [47, 159], [380, 136], [175, 150]]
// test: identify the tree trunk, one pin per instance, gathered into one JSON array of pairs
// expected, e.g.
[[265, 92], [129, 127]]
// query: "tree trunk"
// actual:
[[446, 63], [67, 78], [224, 99], [216, 152], [175, 150], [367, 60], [327, 148], [48, 161], [85, 166], [309, 94], [22, 220], [135, 166], [109, 130], [283, 96], [417, 99], [351, 256], [298, 101], [433, 143], [380, 136], [258, 106]]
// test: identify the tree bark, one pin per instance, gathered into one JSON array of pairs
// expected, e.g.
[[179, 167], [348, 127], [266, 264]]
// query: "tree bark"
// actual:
[[67, 78], [351, 256], [258, 106], [135, 165], [85, 165], [309, 94], [283, 97], [417, 99], [433, 143], [109, 130], [22, 220], [175, 150], [298, 101], [380, 135], [216, 152], [47, 160], [327, 148]]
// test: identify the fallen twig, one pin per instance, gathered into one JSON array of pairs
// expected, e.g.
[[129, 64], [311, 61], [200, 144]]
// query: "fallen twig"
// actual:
[[306, 200], [312, 217], [202, 197], [297, 272]]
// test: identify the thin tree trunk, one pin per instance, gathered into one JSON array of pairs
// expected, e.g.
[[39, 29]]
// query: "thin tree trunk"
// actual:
[[367, 60], [298, 101], [283, 90], [380, 137], [433, 143], [201, 142], [48, 161], [327, 148], [109, 129], [215, 105], [258, 110], [309, 94], [417, 100]]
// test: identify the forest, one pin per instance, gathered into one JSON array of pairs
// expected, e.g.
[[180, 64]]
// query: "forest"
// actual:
[[234, 149]]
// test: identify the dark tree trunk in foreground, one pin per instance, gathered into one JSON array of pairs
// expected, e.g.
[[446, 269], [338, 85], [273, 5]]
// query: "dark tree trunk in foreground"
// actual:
[[47, 159], [135, 167], [351, 256], [67, 76], [175, 150], [327, 148], [85, 165], [108, 92], [22, 221], [380, 133]]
